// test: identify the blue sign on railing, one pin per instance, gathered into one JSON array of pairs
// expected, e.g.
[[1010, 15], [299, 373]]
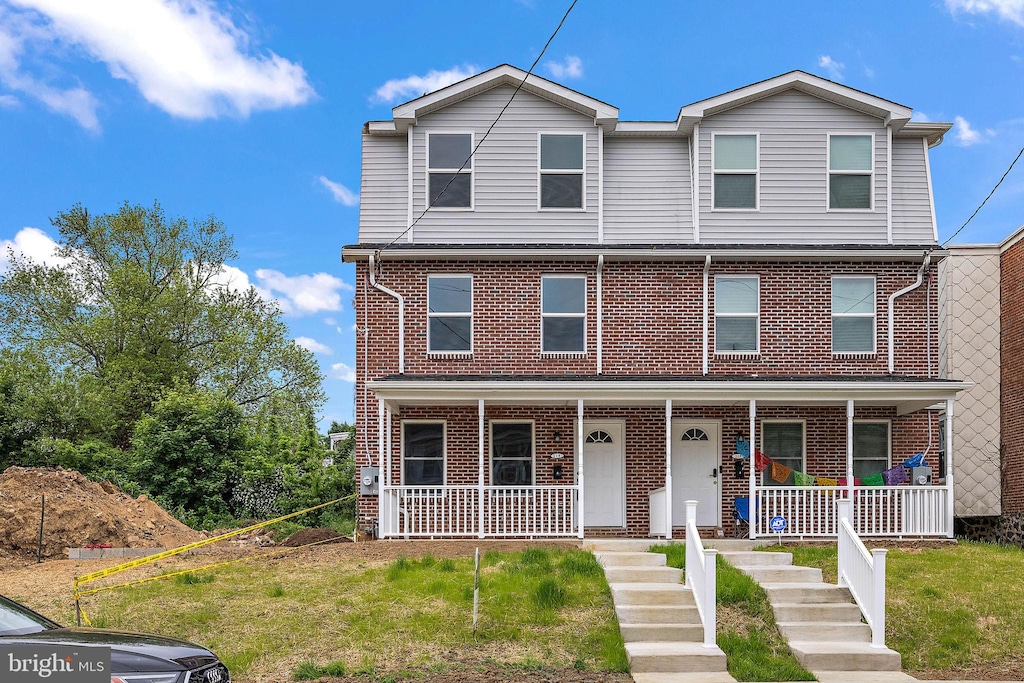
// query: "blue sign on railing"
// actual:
[[777, 524]]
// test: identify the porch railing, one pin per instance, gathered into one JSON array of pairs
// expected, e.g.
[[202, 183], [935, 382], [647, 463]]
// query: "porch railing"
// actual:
[[863, 573], [891, 511], [701, 574], [474, 511]]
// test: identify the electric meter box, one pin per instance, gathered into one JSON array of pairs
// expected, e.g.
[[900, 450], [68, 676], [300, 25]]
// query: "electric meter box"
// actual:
[[920, 476], [369, 481]]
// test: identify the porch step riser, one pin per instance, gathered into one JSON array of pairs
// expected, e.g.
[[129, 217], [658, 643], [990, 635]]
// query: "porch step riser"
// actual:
[[817, 613], [759, 559], [618, 545], [630, 559], [643, 574], [817, 594], [783, 574], [633, 633], [627, 597], [842, 632], [663, 663], [655, 614], [883, 660]]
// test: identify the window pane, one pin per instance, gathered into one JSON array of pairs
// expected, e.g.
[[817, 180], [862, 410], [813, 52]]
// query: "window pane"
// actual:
[[853, 295], [512, 440], [424, 440], [450, 333], [512, 473], [450, 294], [562, 191], [735, 191], [784, 443], [561, 152], [457, 192], [871, 440], [450, 150], [735, 152], [849, 192], [735, 334], [564, 294], [735, 295], [424, 472], [850, 153], [563, 334], [853, 335]]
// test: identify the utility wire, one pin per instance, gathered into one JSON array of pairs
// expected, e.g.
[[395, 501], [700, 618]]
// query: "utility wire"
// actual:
[[489, 129], [1021, 152]]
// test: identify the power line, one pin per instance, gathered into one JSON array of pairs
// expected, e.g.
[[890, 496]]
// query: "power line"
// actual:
[[1021, 152]]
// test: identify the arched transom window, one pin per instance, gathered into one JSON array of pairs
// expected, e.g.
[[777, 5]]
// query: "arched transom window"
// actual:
[[695, 435], [599, 436]]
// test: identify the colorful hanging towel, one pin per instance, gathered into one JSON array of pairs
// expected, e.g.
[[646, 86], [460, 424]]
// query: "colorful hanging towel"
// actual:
[[761, 461], [742, 447], [873, 480], [780, 472], [895, 476], [803, 479], [827, 481]]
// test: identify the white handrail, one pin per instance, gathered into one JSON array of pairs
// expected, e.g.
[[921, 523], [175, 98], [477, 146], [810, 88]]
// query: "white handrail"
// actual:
[[863, 573], [701, 575]]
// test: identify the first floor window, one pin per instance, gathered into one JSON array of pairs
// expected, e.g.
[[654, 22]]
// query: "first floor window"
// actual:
[[423, 453], [449, 313], [736, 314], [853, 315], [563, 314], [512, 453], [870, 448], [783, 442], [450, 170], [561, 171]]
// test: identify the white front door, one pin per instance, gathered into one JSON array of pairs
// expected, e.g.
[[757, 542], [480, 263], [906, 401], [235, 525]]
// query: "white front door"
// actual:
[[604, 474], [696, 470]]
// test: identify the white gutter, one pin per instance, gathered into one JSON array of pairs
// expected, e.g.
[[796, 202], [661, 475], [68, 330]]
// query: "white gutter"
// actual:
[[659, 252], [707, 265], [892, 300], [600, 317], [401, 313]]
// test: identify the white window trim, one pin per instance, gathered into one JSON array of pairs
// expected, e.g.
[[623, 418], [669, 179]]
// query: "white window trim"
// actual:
[[563, 171], [803, 454], [756, 172], [829, 172], [444, 450], [471, 171], [873, 315], [472, 291], [583, 315], [757, 339], [490, 448], [888, 441]]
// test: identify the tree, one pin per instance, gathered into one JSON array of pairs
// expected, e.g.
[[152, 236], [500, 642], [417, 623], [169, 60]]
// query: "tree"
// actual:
[[139, 305]]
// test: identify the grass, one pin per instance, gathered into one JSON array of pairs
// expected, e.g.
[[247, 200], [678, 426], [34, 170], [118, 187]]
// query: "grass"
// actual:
[[948, 608], [754, 648], [548, 609]]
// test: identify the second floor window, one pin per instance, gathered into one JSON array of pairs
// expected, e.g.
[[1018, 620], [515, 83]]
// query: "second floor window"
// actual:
[[449, 313], [850, 170], [736, 313], [448, 187], [561, 171], [853, 315], [563, 314], [736, 167]]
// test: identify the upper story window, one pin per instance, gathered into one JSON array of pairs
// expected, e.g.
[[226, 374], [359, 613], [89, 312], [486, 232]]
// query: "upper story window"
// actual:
[[736, 313], [449, 313], [735, 160], [850, 171], [561, 171], [448, 186], [870, 448], [422, 453], [563, 314], [853, 315]]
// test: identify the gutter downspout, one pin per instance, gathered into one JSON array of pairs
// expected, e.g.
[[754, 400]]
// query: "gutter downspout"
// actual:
[[892, 300], [707, 266], [401, 313], [600, 320]]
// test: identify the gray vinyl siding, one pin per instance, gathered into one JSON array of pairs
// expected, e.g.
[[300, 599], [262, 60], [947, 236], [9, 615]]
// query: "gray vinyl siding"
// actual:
[[505, 173], [647, 197], [383, 207], [911, 203], [793, 183]]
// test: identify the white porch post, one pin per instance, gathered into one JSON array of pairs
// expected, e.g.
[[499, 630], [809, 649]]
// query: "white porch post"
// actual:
[[949, 468], [388, 447], [480, 467], [579, 471], [849, 457], [752, 484], [668, 468], [382, 529]]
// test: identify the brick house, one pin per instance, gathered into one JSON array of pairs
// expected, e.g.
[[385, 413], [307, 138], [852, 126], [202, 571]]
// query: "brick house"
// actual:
[[596, 318]]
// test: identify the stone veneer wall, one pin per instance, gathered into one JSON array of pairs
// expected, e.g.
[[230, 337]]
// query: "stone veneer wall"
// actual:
[[1006, 529]]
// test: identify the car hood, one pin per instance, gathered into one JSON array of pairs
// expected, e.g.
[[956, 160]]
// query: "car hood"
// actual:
[[128, 651]]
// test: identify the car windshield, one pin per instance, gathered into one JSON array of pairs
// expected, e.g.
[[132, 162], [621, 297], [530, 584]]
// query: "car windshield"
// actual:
[[15, 620]]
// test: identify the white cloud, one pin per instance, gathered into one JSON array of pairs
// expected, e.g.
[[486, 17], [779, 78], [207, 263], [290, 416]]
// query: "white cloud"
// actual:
[[330, 321], [1008, 10], [304, 294], [31, 243], [414, 86], [9, 101], [571, 67], [313, 345], [964, 133], [184, 56], [920, 116], [832, 67], [342, 194], [343, 372]]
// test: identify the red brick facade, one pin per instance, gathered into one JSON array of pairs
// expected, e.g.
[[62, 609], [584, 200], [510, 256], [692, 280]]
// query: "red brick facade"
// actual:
[[1012, 377]]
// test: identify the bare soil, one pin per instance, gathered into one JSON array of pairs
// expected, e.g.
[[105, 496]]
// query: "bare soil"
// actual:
[[318, 536]]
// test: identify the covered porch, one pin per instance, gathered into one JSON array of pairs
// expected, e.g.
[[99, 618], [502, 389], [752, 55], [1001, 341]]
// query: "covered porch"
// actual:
[[673, 439]]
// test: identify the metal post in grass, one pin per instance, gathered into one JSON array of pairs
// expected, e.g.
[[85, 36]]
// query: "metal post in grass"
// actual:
[[476, 591], [42, 518]]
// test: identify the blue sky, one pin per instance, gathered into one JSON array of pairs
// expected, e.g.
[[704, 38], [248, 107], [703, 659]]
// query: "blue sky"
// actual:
[[251, 110]]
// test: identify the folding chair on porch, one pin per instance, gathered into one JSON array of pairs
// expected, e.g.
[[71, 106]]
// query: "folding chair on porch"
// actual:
[[741, 516]]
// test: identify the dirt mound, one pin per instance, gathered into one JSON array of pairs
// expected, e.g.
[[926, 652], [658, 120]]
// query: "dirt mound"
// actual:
[[80, 513], [321, 536]]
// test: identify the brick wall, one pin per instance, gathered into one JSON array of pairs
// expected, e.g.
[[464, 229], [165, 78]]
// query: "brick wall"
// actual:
[[1012, 373]]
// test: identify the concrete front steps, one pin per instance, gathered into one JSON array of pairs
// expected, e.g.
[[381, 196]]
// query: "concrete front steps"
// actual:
[[821, 622], [657, 617]]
